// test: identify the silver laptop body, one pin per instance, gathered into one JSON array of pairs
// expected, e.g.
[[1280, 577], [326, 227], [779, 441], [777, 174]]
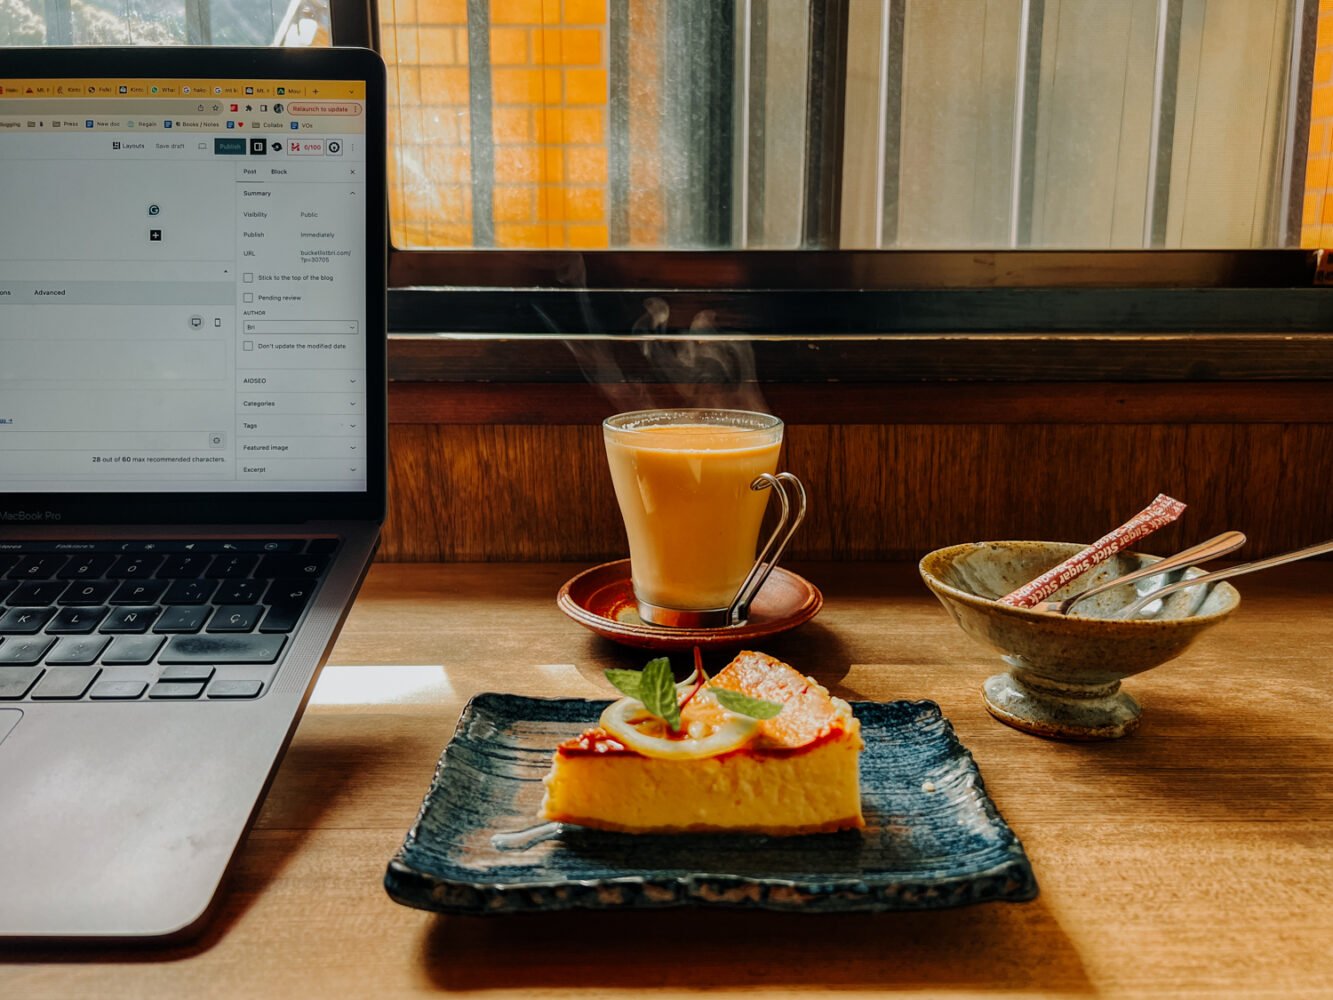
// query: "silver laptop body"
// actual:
[[192, 454]]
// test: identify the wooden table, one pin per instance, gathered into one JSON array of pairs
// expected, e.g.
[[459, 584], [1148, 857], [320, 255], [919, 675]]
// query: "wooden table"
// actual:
[[1195, 857]]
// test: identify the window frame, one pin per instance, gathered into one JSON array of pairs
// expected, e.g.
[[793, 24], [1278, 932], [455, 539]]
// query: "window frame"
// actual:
[[893, 316]]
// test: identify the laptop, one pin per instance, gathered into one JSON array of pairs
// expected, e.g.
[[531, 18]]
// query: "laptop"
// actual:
[[192, 454]]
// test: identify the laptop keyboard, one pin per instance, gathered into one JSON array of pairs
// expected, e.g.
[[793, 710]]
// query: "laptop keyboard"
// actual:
[[154, 620]]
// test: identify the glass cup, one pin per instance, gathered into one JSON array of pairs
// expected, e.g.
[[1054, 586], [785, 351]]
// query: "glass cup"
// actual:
[[691, 487]]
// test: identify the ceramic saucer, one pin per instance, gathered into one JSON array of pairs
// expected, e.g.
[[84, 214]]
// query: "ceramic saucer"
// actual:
[[602, 599]]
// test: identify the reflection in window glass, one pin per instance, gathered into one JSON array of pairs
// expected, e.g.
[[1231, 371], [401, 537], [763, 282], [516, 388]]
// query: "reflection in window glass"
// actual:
[[594, 123], [165, 22], [1076, 124], [22, 22], [140, 22]]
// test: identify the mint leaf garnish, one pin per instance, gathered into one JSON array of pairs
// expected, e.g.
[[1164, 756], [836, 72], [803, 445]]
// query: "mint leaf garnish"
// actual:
[[657, 691], [627, 682], [755, 708]]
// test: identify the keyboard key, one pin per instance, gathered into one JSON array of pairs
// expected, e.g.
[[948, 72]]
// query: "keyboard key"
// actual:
[[261, 545], [24, 621], [235, 689], [76, 547], [281, 618], [7, 562], [139, 566], [86, 567], [291, 566], [117, 690], [322, 546], [231, 565], [279, 545], [188, 672], [222, 649], [175, 689], [14, 682], [132, 650], [130, 619], [37, 567], [235, 618], [187, 566], [189, 592], [24, 651], [36, 595], [139, 592], [7, 587], [182, 618], [77, 650], [76, 621], [88, 592], [65, 683], [238, 592], [289, 593]]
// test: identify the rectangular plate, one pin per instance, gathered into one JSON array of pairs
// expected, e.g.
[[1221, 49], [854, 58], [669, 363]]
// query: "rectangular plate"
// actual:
[[933, 838]]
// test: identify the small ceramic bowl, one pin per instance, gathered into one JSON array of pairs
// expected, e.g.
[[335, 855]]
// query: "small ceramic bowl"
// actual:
[[1065, 670]]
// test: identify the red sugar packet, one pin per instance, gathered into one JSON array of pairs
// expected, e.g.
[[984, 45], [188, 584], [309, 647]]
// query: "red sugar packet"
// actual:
[[1157, 514]]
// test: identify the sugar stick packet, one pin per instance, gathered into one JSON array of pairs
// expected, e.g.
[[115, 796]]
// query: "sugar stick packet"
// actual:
[[1157, 514]]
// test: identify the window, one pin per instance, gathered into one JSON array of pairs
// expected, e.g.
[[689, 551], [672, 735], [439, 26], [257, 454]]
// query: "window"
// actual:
[[841, 124], [164, 22], [856, 168]]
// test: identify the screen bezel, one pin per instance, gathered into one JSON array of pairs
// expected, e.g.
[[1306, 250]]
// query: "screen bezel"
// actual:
[[230, 508]]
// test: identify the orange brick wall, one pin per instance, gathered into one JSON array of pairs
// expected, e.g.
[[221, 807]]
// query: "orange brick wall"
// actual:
[[1317, 214], [549, 84], [549, 119], [430, 160]]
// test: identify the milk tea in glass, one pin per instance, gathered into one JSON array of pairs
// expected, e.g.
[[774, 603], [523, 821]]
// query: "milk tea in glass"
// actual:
[[682, 479]]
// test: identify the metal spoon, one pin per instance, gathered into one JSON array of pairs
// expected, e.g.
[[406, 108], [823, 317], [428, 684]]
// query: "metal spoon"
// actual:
[[1314, 550], [1219, 545]]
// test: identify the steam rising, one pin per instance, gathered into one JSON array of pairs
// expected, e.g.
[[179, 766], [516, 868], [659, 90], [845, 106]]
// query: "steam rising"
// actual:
[[701, 368]]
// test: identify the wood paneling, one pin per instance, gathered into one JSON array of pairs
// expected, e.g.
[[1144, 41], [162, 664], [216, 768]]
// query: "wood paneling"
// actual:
[[531, 492], [459, 270], [857, 359], [903, 403]]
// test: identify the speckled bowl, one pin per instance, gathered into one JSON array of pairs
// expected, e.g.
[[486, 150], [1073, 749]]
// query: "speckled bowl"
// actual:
[[1065, 670]]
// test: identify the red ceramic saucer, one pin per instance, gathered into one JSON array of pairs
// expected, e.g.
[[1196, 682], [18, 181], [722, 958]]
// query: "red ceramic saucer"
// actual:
[[602, 599]]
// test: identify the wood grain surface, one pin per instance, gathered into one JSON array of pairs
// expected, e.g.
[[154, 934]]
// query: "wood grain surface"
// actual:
[[1194, 858], [887, 403], [464, 491], [1024, 355]]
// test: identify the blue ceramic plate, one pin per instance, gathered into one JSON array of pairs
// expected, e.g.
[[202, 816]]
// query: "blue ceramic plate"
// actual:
[[933, 838]]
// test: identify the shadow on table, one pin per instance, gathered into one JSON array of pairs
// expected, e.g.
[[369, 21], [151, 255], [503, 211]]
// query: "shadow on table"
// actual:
[[1260, 762], [999, 946], [312, 775]]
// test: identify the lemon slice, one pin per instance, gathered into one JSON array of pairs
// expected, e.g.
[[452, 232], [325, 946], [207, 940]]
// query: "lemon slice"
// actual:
[[630, 723]]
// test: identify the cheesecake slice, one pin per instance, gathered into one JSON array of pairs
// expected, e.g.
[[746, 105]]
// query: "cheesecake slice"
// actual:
[[794, 773]]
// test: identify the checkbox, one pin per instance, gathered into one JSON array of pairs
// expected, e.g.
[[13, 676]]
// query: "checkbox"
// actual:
[[248, 297], [247, 345], [248, 277]]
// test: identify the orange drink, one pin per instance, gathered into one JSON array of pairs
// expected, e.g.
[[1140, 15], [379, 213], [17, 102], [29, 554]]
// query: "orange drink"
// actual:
[[683, 481]]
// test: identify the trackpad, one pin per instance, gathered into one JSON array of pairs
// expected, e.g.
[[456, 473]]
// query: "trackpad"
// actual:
[[9, 718]]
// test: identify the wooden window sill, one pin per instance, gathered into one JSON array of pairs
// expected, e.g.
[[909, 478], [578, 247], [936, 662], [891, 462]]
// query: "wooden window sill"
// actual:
[[974, 378]]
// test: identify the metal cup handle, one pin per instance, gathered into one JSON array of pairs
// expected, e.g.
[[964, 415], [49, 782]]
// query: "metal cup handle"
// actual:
[[739, 609]]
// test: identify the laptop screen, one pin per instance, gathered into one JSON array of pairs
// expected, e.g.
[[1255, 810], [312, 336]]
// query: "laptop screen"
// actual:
[[185, 289]]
